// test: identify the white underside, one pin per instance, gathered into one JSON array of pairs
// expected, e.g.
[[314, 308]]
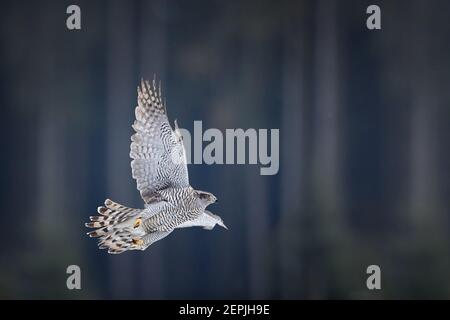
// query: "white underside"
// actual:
[[205, 221]]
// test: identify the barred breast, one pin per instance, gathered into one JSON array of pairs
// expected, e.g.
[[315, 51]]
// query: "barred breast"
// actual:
[[183, 208]]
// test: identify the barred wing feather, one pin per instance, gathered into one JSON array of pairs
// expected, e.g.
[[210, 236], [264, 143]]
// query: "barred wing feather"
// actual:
[[159, 158]]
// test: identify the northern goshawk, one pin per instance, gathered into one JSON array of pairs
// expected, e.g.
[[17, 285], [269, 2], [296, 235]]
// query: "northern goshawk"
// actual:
[[160, 169]]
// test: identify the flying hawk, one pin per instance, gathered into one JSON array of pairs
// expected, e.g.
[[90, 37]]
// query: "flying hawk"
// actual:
[[160, 169]]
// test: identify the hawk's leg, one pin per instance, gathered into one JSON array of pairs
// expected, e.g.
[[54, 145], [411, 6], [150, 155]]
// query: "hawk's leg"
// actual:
[[138, 242], [137, 223]]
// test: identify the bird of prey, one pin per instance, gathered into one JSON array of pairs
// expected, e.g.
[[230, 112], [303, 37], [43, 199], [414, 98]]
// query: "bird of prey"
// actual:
[[160, 169]]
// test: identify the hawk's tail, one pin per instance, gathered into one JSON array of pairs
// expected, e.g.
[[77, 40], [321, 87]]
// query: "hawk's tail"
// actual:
[[114, 227]]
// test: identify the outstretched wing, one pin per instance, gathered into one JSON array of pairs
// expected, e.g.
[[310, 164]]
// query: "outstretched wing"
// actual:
[[159, 158]]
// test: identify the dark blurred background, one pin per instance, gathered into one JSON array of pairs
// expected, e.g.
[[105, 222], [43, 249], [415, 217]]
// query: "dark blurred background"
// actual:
[[364, 146]]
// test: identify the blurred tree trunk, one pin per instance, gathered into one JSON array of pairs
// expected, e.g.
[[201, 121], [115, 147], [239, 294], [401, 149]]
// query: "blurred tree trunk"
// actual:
[[325, 152], [258, 198], [121, 96], [259, 238], [51, 183], [152, 62], [326, 117], [291, 161], [224, 108], [424, 176], [429, 237]]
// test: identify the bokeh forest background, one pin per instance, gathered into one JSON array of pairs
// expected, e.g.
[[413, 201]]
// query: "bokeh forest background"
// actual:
[[364, 146]]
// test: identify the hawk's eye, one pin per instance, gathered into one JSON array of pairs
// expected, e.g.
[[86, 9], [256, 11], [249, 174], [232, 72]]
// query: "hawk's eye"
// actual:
[[204, 196]]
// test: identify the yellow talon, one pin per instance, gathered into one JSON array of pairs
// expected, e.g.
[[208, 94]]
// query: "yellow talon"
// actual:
[[138, 242], [137, 223]]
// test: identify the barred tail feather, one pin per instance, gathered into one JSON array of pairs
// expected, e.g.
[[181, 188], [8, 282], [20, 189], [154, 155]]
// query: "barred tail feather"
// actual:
[[114, 227]]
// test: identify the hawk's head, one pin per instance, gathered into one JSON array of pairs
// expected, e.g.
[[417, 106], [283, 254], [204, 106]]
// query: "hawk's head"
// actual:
[[205, 198]]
